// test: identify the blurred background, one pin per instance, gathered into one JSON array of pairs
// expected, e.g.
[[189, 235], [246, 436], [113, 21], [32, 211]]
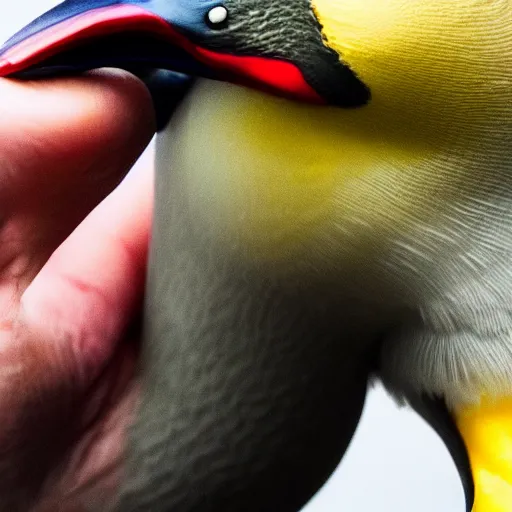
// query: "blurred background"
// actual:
[[395, 463]]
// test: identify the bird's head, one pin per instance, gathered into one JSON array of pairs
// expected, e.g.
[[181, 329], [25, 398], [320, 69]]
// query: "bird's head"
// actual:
[[346, 53], [274, 46]]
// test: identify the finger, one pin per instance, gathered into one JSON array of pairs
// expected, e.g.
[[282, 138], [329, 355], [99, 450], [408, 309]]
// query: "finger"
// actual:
[[65, 144], [92, 286]]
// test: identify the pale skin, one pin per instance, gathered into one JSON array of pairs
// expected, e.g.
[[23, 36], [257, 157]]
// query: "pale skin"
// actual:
[[72, 268]]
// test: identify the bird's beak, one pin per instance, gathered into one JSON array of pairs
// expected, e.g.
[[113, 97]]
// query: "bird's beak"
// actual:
[[486, 428], [80, 35]]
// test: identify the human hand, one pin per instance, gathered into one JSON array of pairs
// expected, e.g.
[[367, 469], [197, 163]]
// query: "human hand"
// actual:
[[71, 284]]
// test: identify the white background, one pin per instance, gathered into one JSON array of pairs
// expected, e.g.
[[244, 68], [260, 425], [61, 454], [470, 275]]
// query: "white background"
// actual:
[[395, 463]]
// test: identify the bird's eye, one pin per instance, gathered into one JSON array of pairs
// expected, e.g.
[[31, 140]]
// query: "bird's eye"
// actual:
[[217, 17]]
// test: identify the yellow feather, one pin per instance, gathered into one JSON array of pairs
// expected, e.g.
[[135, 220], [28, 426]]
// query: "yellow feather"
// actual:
[[435, 62], [487, 431]]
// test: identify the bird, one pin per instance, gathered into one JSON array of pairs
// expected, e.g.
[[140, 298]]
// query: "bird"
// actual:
[[333, 205]]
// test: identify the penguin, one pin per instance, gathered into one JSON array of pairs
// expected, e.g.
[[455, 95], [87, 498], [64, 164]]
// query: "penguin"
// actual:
[[340, 209]]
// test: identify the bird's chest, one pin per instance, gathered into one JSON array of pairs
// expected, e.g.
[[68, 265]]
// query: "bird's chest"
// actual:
[[299, 190]]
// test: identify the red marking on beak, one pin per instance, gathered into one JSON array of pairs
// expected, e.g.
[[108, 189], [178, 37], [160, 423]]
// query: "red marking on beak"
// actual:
[[269, 74]]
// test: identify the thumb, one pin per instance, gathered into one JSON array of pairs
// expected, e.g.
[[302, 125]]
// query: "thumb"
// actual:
[[57, 131]]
